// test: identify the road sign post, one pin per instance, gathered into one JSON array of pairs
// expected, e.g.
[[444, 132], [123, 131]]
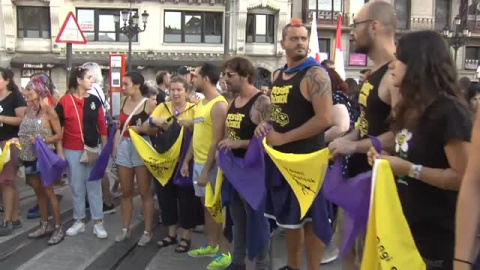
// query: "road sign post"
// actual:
[[70, 33]]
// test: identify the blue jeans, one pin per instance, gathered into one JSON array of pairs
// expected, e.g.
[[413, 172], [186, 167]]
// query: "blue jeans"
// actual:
[[78, 174]]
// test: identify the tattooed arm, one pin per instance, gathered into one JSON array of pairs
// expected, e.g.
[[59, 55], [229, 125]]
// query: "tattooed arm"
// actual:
[[317, 88], [261, 110]]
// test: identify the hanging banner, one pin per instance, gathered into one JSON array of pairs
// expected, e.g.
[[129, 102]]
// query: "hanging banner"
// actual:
[[5, 153], [389, 243], [304, 173], [213, 200], [162, 166]]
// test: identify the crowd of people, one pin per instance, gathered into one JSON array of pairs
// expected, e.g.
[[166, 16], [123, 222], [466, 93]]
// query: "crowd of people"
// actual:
[[410, 99]]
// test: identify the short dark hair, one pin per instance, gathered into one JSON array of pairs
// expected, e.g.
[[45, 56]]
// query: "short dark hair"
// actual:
[[183, 70], [241, 65], [180, 79], [75, 74], [138, 79], [210, 71], [160, 75], [327, 62], [294, 22]]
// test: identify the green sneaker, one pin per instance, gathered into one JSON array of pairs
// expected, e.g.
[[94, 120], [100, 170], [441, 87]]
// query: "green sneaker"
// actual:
[[205, 251], [221, 261]]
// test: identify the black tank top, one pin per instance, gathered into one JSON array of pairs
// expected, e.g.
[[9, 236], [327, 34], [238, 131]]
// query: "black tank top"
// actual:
[[239, 124], [290, 110], [136, 120], [373, 119]]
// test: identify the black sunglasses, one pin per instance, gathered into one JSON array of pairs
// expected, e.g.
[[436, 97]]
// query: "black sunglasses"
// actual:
[[355, 24]]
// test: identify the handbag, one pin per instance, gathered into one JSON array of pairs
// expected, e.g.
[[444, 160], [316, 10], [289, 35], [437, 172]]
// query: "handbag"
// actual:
[[90, 154]]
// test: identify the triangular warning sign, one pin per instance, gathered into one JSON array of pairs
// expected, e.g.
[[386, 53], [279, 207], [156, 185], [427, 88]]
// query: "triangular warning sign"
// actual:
[[70, 31]]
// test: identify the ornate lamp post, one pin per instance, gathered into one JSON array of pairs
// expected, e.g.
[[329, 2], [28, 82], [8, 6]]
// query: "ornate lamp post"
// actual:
[[131, 28], [458, 37]]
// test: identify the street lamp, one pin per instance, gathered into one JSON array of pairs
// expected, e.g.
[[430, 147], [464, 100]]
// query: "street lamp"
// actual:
[[130, 28], [458, 37]]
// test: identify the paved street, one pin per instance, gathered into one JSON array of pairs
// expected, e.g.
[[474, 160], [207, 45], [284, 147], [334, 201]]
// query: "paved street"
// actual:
[[87, 252]]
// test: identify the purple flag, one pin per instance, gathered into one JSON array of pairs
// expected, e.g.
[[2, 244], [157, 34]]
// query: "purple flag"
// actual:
[[178, 179], [353, 195], [101, 163], [247, 175], [50, 165]]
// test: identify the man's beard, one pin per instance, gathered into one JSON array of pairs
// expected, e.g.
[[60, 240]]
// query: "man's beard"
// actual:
[[362, 49]]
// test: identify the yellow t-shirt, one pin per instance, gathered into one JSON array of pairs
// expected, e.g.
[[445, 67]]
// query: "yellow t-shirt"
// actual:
[[161, 111], [203, 129]]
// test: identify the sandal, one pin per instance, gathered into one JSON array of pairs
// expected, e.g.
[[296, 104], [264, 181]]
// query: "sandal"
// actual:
[[168, 241], [183, 248]]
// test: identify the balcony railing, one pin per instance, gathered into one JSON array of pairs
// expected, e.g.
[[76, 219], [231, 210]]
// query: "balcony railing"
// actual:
[[417, 23], [329, 18], [474, 22], [471, 64]]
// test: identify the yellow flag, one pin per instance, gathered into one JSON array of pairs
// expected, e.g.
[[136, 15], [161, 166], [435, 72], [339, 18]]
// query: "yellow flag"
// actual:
[[5, 153], [213, 200], [162, 166], [389, 243], [304, 173]]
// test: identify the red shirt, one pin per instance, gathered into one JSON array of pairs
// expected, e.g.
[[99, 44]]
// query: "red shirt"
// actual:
[[94, 124]]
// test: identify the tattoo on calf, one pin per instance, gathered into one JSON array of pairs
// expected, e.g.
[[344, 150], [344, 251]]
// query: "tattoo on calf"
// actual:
[[318, 82]]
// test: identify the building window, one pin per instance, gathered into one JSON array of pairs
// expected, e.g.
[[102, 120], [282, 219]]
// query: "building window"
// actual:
[[472, 57], [442, 14], [193, 27], [474, 16], [33, 22], [260, 28], [99, 25], [326, 5], [403, 13], [324, 44]]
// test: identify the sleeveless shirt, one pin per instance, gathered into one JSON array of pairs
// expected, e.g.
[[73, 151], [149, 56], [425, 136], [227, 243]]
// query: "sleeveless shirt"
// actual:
[[239, 124], [290, 110], [31, 126], [136, 120], [373, 119], [203, 129]]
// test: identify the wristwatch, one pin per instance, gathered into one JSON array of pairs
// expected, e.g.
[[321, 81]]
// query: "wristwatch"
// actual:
[[415, 171]]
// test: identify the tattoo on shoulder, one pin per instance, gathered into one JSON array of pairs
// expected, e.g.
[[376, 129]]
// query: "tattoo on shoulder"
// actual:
[[318, 82], [263, 107]]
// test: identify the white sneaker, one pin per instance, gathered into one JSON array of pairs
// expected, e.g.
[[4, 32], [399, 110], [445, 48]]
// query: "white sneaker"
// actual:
[[330, 254], [77, 227], [99, 231]]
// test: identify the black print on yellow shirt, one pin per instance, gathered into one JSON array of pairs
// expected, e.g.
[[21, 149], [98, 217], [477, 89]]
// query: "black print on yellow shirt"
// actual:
[[362, 123]]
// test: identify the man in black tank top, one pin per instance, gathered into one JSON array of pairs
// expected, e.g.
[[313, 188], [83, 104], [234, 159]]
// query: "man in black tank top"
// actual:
[[301, 100], [245, 112], [373, 32]]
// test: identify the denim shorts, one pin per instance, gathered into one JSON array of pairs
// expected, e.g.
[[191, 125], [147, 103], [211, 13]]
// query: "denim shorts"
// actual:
[[127, 155], [30, 167], [212, 177]]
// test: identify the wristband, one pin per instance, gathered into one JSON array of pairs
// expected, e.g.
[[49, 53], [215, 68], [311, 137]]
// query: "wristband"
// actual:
[[415, 171], [150, 122]]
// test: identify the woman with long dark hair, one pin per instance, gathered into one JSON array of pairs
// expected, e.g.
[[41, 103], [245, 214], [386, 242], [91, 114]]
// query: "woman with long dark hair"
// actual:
[[12, 110], [41, 121], [432, 126], [83, 121], [135, 110]]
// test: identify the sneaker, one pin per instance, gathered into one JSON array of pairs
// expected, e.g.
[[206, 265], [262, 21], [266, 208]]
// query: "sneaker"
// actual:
[[145, 239], [7, 227], [34, 212], [109, 209], [99, 231], [77, 227], [221, 261], [33, 209], [205, 251], [57, 236], [43, 230], [124, 235], [330, 254]]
